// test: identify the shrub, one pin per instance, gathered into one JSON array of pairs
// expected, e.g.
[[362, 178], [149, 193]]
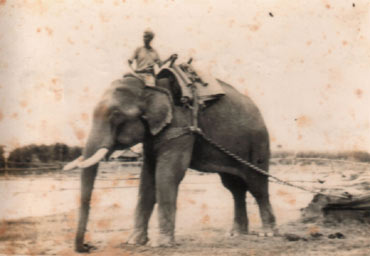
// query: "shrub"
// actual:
[[32, 155], [2, 157], [360, 156]]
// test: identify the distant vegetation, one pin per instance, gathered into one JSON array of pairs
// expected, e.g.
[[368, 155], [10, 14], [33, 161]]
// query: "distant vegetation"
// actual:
[[359, 156], [48, 155], [2, 157], [35, 155]]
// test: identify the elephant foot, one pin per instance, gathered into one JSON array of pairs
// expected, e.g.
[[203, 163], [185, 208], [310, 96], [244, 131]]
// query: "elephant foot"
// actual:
[[138, 238], [239, 229], [164, 241], [266, 232], [237, 232], [85, 248]]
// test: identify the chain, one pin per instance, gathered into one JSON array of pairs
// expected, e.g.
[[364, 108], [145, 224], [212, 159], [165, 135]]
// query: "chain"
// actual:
[[256, 168]]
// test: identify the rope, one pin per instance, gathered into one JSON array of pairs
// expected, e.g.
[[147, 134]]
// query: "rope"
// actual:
[[254, 167], [194, 128]]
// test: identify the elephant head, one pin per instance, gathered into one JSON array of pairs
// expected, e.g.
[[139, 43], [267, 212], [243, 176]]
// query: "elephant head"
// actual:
[[127, 112]]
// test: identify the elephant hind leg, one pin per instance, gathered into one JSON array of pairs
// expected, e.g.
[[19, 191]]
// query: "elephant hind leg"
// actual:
[[266, 212], [258, 187], [238, 189], [258, 184]]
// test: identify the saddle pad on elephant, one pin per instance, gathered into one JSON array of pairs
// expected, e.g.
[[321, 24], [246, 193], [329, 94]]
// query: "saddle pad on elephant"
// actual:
[[208, 88]]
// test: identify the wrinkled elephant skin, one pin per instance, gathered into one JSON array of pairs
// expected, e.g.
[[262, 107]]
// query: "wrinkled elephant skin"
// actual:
[[130, 113]]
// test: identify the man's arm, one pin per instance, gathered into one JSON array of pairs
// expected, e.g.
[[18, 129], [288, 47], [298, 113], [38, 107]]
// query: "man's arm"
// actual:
[[134, 56], [173, 56]]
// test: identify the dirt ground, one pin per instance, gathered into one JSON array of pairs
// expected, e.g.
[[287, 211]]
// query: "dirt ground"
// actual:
[[39, 215]]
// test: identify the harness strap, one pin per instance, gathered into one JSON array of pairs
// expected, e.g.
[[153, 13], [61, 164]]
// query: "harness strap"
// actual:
[[174, 132], [195, 106]]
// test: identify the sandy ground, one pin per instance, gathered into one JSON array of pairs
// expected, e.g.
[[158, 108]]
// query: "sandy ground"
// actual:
[[39, 215]]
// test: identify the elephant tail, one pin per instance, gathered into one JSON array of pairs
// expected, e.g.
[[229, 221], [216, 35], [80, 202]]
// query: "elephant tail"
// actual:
[[260, 155]]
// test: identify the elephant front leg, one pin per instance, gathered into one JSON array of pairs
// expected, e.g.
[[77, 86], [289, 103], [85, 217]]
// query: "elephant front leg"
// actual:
[[166, 214], [144, 206], [172, 164]]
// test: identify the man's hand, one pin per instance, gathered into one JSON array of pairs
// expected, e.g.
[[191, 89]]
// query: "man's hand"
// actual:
[[173, 57]]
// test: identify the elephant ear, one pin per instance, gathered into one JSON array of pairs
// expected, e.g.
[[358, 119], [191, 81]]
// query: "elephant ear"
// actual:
[[158, 108]]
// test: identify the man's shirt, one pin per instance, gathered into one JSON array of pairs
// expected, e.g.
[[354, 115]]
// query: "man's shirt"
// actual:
[[145, 57]]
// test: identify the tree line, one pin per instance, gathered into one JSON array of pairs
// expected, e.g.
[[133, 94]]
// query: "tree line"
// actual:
[[350, 155], [2, 157], [35, 155]]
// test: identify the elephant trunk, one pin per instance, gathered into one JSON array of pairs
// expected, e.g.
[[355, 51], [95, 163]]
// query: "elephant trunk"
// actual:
[[98, 145]]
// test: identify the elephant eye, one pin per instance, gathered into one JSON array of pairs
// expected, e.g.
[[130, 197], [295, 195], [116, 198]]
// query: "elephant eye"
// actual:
[[115, 113], [116, 116]]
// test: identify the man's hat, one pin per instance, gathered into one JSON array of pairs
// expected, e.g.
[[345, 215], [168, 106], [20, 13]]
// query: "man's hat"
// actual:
[[149, 32]]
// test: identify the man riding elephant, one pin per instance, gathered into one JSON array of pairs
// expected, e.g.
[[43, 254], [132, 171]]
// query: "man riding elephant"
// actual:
[[146, 57], [131, 112]]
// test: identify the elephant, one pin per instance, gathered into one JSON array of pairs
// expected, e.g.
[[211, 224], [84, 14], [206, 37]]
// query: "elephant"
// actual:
[[130, 113]]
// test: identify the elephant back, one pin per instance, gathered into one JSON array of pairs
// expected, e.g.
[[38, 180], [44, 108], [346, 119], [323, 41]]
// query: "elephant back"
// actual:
[[186, 76]]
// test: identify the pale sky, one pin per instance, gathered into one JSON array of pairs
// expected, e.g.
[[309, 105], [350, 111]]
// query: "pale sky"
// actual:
[[306, 64]]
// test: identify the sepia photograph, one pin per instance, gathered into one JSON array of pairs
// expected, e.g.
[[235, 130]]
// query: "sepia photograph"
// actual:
[[194, 127]]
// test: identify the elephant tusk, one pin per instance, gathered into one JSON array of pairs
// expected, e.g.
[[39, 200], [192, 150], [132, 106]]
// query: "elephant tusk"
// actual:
[[99, 155], [73, 164]]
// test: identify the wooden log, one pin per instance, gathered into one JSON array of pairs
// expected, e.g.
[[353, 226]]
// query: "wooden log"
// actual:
[[337, 210], [353, 209]]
